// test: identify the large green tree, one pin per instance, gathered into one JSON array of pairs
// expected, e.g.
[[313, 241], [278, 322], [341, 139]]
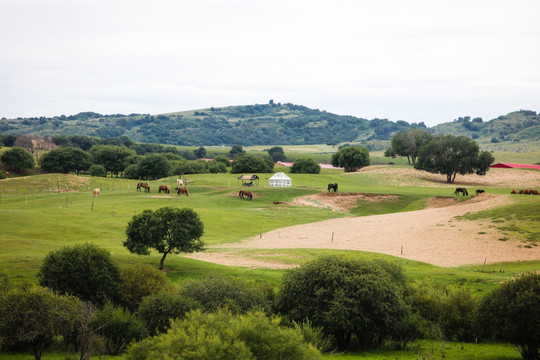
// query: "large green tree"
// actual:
[[249, 163], [18, 159], [351, 158], [111, 157], [166, 230], [450, 155], [305, 166], [153, 166], [65, 160], [408, 144], [277, 153]]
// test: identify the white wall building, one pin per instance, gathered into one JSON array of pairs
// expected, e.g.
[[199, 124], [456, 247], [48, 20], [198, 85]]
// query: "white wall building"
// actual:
[[280, 179]]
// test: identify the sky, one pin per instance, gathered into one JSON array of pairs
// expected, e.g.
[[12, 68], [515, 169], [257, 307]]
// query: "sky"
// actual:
[[425, 61]]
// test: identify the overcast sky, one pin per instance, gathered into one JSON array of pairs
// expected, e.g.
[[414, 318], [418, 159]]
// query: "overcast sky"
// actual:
[[412, 60]]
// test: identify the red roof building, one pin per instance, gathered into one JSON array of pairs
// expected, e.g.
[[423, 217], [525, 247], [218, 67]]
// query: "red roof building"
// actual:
[[514, 166]]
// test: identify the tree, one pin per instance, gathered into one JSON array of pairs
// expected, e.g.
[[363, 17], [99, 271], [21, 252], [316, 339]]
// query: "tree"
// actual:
[[67, 159], [222, 159], [166, 230], [200, 152], [236, 150], [449, 155], [153, 166], [111, 157], [351, 158], [36, 316], [85, 270], [97, 170], [511, 313], [18, 159], [305, 166], [347, 298], [407, 144], [249, 163], [277, 153]]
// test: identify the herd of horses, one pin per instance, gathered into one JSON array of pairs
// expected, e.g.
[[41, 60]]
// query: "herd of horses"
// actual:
[[166, 189], [464, 192], [525, 192]]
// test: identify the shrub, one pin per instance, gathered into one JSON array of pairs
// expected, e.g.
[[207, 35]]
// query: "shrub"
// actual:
[[346, 298], [511, 313], [141, 280], [97, 170], [305, 166], [18, 159], [191, 167], [223, 336], [86, 271], [249, 163], [222, 159], [157, 310], [216, 167]]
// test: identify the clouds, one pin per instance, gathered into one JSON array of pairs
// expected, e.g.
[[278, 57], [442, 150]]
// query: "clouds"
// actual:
[[417, 61]]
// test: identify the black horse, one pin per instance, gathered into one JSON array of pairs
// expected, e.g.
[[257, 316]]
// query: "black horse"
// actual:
[[332, 187], [479, 191], [463, 192]]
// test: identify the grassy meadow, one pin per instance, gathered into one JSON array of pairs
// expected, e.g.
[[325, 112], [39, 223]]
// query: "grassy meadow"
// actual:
[[36, 218]]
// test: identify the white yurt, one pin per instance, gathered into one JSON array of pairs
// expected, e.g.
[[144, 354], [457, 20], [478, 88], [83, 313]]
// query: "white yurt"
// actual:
[[280, 179]]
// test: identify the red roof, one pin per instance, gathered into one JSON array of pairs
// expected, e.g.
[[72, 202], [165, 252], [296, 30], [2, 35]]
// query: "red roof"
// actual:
[[513, 166], [324, 166]]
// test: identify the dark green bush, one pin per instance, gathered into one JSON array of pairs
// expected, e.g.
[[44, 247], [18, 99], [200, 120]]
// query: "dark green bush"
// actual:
[[97, 170], [305, 166]]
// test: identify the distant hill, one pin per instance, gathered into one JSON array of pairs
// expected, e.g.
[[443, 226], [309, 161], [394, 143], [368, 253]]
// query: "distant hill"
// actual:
[[267, 124]]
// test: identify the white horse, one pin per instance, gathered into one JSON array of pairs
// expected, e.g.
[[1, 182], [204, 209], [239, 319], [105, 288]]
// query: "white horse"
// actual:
[[180, 183], [95, 192]]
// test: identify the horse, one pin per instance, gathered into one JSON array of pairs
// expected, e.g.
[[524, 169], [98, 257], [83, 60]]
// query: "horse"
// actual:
[[479, 191], [181, 191], [332, 187], [245, 193], [145, 186], [180, 183], [463, 192], [513, 191], [165, 188], [95, 192], [533, 192]]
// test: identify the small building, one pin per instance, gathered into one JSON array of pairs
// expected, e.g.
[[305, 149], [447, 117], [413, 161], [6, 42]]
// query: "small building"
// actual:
[[247, 180], [280, 179]]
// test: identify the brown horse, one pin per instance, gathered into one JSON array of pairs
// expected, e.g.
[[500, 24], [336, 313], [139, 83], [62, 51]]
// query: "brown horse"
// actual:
[[245, 193], [182, 191], [513, 191], [463, 192], [332, 187], [95, 192], [144, 186], [165, 188]]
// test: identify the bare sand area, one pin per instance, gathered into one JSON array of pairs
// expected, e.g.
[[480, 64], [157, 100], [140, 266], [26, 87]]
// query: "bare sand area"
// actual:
[[431, 235]]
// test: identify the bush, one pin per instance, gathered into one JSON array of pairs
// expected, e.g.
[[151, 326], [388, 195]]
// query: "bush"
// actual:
[[157, 310], [249, 163], [222, 159], [141, 280], [223, 336], [511, 313], [216, 167], [305, 166], [118, 327], [238, 296], [351, 158], [191, 167], [86, 271], [347, 298], [97, 170], [18, 159]]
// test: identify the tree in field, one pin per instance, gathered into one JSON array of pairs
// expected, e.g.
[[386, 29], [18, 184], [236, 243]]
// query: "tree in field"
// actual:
[[66, 159], [236, 150], [449, 155], [200, 152], [153, 166], [18, 159], [351, 158], [249, 163], [35, 317], [407, 144], [277, 153], [347, 298], [111, 157], [166, 230], [85, 270], [511, 313], [305, 166]]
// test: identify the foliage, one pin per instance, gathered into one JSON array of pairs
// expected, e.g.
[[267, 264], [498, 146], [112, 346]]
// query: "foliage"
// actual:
[[216, 167], [66, 159], [141, 280], [449, 155], [18, 159], [236, 150], [222, 159], [191, 167], [249, 163], [238, 296], [511, 313], [118, 327], [36, 317], [157, 310], [111, 156], [97, 170], [305, 166], [85, 270], [167, 230], [408, 144], [277, 154], [346, 298], [351, 158], [200, 152], [151, 166], [223, 335]]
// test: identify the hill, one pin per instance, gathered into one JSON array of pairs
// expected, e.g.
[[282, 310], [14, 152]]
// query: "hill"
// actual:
[[267, 124]]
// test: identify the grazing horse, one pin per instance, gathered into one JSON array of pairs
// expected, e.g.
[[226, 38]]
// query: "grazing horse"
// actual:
[[513, 191], [144, 186], [182, 191], [245, 193], [463, 191], [479, 191], [95, 192], [180, 183], [533, 192], [332, 187], [165, 188]]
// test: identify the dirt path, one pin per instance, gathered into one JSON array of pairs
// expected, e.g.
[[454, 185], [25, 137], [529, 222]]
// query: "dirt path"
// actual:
[[431, 235]]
